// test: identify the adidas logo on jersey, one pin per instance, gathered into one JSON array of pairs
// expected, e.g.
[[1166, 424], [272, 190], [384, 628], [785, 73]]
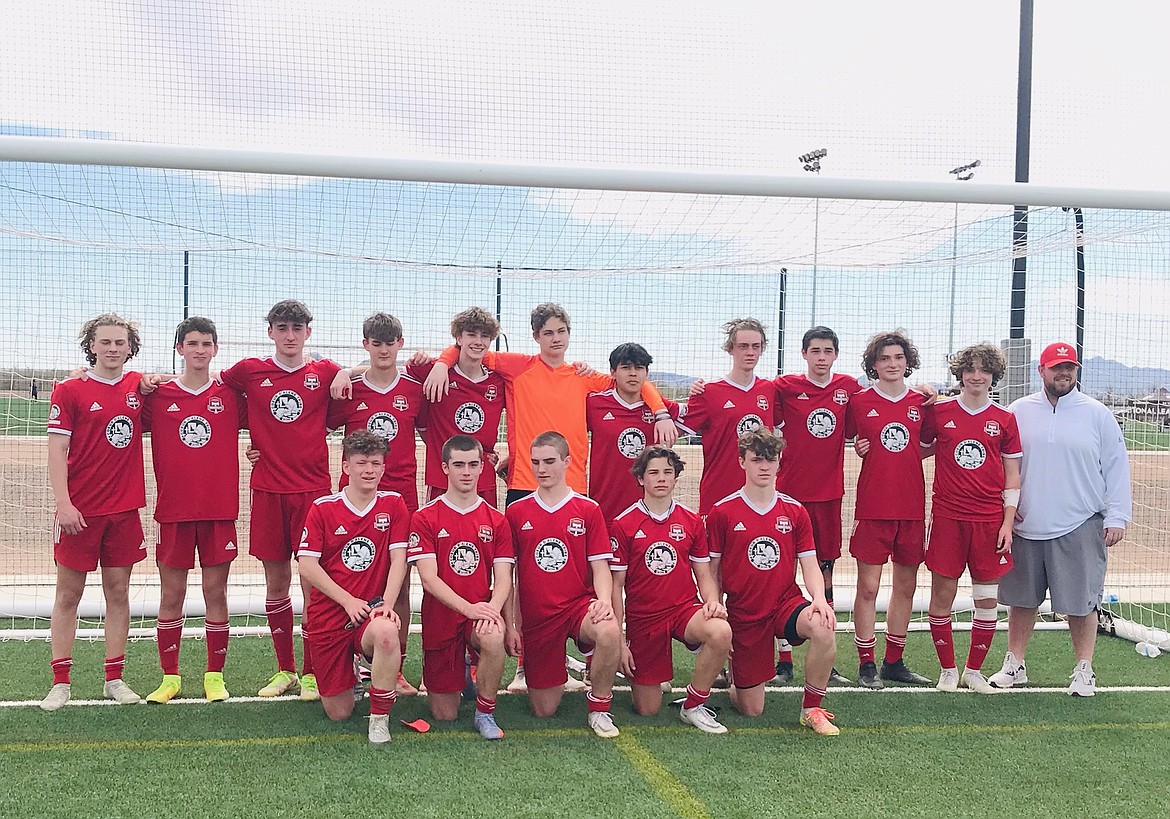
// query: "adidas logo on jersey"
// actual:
[[607, 417], [173, 408], [639, 534], [739, 527], [949, 425], [527, 526], [444, 533], [340, 530], [872, 414], [267, 382], [362, 406], [729, 405], [802, 397], [95, 406]]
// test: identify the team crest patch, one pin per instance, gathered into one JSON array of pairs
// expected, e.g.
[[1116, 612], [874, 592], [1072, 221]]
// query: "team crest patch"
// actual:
[[840, 397], [487, 534], [469, 417], [613, 545], [400, 403], [647, 417], [970, 454], [312, 382], [412, 541], [992, 428], [286, 406], [821, 423], [490, 394], [895, 437], [54, 412], [215, 405], [383, 424], [576, 527], [661, 558], [631, 442], [763, 553], [913, 414], [749, 423], [552, 555], [762, 402], [464, 558], [358, 554], [195, 431], [381, 521], [783, 525], [120, 432], [132, 400], [677, 532]]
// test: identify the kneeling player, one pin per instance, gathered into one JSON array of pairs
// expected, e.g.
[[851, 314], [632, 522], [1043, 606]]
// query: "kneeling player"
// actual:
[[462, 548], [352, 554], [756, 538], [657, 544]]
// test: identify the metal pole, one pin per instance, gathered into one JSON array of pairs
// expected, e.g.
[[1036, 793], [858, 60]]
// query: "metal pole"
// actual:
[[816, 244], [783, 284], [1079, 220], [499, 297], [954, 263], [1018, 347]]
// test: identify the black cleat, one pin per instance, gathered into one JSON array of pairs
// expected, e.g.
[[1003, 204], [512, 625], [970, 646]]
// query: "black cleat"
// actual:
[[783, 673], [900, 672], [867, 676], [836, 676], [722, 680]]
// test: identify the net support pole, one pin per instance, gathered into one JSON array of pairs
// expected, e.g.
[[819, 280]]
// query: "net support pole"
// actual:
[[1019, 378]]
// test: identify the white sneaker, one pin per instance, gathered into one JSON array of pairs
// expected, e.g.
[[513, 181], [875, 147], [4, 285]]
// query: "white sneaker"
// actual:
[[948, 680], [1084, 681], [666, 687], [58, 695], [379, 733], [602, 724], [702, 718], [573, 664], [120, 693], [574, 684], [973, 678], [1014, 672], [519, 684]]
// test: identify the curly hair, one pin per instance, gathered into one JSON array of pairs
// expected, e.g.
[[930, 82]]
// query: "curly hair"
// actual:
[[291, 311], [762, 443], [731, 328], [364, 442], [878, 342], [986, 357], [475, 320], [652, 452], [89, 333]]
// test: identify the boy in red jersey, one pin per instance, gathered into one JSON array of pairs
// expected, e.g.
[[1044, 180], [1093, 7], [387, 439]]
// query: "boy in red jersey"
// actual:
[[387, 402], [353, 554], [892, 425], [756, 537], [287, 401], [621, 425], [462, 548], [195, 424], [96, 473], [976, 490], [659, 555], [563, 587]]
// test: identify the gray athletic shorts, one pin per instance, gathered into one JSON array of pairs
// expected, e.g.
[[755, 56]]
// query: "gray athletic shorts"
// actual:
[[1071, 567]]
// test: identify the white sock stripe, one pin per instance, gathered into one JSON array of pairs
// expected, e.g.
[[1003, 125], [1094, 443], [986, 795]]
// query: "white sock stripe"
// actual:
[[870, 643], [277, 606], [812, 689], [170, 623], [216, 627], [940, 621], [594, 698], [895, 639]]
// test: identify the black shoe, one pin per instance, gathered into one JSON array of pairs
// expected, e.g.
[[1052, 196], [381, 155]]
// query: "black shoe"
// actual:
[[867, 676], [783, 673], [836, 676], [722, 680], [900, 672]]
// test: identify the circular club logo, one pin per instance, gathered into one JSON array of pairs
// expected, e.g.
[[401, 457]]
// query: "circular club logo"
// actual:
[[661, 558], [970, 454], [469, 417], [895, 437], [383, 424], [631, 442], [464, 558], [552, 555], [821, 423], [195, 431], [120, 432], [286, 406], [763, 553], [358, 554], [54, 412], [749, 423], [413, 541]]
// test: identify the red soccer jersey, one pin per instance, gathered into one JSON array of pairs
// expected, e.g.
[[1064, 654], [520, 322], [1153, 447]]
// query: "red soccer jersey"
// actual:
[[103, 420], [470, 407], [554, 549], [466, 544], [353, 547], [620, 432], [891, 485], [721, 413], [813, 466], [758, 550], [656, 554], [195, 446], [286, 415], [968, 459], [391, 412]]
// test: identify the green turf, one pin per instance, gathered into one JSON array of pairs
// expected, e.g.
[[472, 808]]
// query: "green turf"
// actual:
[[20, 416], [1142, 435], [899, 754]]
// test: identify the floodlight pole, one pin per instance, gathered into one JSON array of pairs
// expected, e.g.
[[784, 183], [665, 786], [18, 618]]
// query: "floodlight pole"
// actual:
[[811, 162], [963, 173], [1079, 243], [1017, 347]]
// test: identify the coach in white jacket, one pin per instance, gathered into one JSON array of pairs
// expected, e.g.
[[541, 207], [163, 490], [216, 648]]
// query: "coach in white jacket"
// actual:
[[1074, 503]]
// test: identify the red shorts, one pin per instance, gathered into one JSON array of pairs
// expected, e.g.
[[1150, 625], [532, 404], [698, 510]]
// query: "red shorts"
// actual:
[[278, 520], [544, 646], [753, 652], [876, 541], [333, 653], [215, 540], [966, 544], [490, 494], [107, 540], [650, 643], [443, 667], [826, 526]]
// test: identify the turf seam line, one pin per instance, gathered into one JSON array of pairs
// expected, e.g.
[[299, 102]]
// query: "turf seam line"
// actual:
[[670, 790]]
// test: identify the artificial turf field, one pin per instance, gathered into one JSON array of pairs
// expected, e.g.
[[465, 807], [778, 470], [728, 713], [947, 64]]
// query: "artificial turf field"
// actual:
[[900, 754]]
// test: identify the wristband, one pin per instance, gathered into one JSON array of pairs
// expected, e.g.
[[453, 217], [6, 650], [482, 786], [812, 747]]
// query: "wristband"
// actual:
[[1011, 497]]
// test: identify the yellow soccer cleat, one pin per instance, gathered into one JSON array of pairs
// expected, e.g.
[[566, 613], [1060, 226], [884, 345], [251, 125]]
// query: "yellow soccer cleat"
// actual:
[[309, 692], [167, 690], [213, 687], [278, 683]]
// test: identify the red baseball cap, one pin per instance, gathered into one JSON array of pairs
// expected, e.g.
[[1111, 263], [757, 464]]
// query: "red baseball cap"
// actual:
[[1059, 353]]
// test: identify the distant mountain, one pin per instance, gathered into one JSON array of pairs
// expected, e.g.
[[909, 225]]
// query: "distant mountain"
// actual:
[[1102, 375]]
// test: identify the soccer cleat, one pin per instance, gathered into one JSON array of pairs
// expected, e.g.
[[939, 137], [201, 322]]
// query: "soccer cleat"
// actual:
[[972, 678], [167, 690], [574, 684], [309, 692], [1014, 672], [278, 683], [486, 725], [722, 679], [1084, 681], [820, 721], [602, 724], [948, 680], [783, 673], [213, 687], [573, 664], [519, 684], [404, 688], [58, 695], [119, 692], [702, 718], [898, 671], [379, 730], [666, 687], [867, 676], [836, 676]]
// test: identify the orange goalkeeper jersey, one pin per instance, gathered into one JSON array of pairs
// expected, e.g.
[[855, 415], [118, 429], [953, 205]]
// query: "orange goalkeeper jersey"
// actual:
[[540, 398]]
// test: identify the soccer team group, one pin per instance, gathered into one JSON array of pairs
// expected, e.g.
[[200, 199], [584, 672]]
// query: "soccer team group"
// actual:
[[605, 556]]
